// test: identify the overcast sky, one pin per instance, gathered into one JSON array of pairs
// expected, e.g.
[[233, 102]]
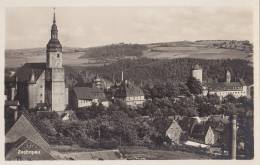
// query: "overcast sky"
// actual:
[[93, 26]]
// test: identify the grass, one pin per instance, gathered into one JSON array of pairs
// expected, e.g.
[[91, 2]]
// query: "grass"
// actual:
[[148, 154]]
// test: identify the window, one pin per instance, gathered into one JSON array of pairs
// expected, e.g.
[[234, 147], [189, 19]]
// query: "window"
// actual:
[[58, 55], [41, 94]]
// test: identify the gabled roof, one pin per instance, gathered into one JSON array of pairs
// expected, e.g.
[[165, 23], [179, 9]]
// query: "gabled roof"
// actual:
[[199, 131], [174, 132], [23, 142], [129, 90], [87, 93], [24, 73], [24, 126]]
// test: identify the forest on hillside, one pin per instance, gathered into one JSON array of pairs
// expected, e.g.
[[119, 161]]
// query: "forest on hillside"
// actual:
[[160, 71], [115, 51]]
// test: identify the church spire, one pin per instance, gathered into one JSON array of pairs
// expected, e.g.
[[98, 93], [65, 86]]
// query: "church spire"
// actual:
[[54, 18], [54, 44]]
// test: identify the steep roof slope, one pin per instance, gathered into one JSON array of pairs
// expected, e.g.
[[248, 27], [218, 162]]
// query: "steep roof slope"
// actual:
[[24, 127]]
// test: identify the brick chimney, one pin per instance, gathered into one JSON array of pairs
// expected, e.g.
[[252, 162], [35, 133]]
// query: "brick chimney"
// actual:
[[234, 137]]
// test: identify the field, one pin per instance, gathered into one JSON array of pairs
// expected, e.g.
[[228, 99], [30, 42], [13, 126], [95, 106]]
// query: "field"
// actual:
[[171, 50]]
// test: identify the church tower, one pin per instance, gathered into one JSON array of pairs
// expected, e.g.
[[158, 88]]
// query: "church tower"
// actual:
[[55, 85]]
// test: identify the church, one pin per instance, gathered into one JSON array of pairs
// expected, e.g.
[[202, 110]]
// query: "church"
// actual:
[[44, 83]]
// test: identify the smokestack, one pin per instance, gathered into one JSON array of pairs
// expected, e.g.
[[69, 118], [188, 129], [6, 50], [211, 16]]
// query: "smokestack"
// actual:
[[122, 76], [234, 137]]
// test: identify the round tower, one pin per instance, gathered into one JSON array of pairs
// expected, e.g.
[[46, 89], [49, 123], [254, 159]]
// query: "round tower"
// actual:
[[228, 76], [97, 81], [197, 72]]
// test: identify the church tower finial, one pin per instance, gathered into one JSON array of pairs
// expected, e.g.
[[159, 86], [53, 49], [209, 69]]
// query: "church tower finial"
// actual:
[[54, 18]]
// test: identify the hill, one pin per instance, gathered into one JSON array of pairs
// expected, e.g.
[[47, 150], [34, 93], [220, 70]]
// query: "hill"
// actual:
[[158, 71], [102, 55]]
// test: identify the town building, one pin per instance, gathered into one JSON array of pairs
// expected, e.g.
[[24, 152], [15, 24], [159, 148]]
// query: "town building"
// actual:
[[174, 132], [132, 95], [25, 149], [221, 89], [44, 82], [23, 141], [87, 96]]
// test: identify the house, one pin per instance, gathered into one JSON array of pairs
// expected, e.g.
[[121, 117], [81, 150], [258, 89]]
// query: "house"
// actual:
[[25, 149], [23, 139], [174, 132], [132, 95], [204, 134], [86, 96]]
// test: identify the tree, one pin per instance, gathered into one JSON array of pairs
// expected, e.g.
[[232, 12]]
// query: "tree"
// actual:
[[230, 99], [229, 109], [194, 86]]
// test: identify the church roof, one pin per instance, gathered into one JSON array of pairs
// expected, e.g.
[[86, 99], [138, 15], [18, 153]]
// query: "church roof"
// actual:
[[87, 93], [25, 72], [54, 45]]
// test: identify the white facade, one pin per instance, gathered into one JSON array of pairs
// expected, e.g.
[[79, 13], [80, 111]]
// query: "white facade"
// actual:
[[197, 74], [242, 91], [88, 103], [135, 100]]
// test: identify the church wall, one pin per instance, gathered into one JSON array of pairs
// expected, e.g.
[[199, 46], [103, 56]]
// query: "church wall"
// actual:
[[36, 92], [54, 59], [58, 96]]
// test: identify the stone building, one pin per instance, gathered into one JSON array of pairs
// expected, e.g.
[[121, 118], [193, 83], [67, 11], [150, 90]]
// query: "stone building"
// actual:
[[221, 89], [44, 83], [86, 97], [132, 95]]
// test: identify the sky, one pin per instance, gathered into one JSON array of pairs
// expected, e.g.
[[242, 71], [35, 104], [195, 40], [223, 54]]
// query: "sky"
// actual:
[[29, 27]]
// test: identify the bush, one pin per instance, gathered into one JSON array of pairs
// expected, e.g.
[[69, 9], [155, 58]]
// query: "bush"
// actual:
[[109, 144]]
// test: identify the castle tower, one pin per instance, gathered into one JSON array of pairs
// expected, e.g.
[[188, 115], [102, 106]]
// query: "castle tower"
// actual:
[[228, 76], [97, 81], [55, 85], [197, 72]]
